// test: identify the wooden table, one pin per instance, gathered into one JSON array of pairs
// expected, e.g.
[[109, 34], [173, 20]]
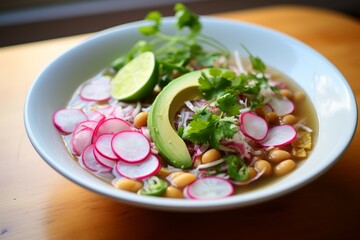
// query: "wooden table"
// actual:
[[38, 203]]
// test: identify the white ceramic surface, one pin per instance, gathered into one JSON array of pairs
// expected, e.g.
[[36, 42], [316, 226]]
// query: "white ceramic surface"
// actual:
[[329, 91]]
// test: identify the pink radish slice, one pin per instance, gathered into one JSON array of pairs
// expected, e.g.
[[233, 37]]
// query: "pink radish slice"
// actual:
[[279, 136], [90, 162], [110, 125], [66, 120], [96, 116], [130, 146], [281, 106], [253, 126], [145, 131], [209, 188], [90, 124], [103, 146], [108, 111], [140, 170], [81, 140], [103, 160], [98, 90], [268, 108]]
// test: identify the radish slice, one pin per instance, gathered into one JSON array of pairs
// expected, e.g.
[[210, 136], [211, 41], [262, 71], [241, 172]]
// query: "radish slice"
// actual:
[[103, 146], [140, 170], [130, 146], [108, 111], [209, 188], [103, 160], [279, 136], [281, 106], [98, 90], [96, 116], [90, 124], [253, 126], [268, 108], [81, 140], [89, 161], [110, 125], [146, 132], [66, 120]]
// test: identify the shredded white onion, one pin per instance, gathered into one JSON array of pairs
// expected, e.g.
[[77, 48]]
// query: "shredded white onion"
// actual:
[[211, 164], [238, 63], [249, 181], [190, 105]]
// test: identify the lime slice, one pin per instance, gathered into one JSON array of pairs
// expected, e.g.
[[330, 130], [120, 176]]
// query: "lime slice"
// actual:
[[137, 79]]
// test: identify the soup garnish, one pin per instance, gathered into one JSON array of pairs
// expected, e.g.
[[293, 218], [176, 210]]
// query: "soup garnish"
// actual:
[[192, 121]]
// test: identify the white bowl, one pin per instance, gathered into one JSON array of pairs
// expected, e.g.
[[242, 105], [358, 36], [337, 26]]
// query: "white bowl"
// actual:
[[330, 93]]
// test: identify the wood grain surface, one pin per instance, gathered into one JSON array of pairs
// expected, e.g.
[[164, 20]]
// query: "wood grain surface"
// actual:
[[38, 203]]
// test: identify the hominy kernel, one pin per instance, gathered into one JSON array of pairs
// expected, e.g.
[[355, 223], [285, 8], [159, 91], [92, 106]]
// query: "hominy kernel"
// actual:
[[197, 161], [299, 96], [252, 173], [277, 155], [173, 192], [183, 180], [286, 93], [284, 167], [140, 119], [128, 185], [263, 165], [273, 117], [288, 119], [210, 156]]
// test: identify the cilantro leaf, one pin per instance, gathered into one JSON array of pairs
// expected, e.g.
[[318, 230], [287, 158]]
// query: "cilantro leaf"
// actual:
[[214, 85], [257, 64], [229, 104], [155, 17], [186, 18], [237, 169], [209, 128]]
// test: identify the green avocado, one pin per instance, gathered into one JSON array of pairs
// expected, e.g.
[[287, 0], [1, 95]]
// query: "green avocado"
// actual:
[[162, 114]]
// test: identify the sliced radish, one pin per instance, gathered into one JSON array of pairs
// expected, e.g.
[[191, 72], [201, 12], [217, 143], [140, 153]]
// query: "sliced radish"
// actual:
[[96, 116], [110, 125], [98, 90], [90, 124], [103, 160], [281, 106], [145, 131], [66, 120], [279, 136], [108, 111], [268, 108], [81, 140], [139, 170], [253, 126], [90, 162], [209, 188], [130, 146], [103, 146]]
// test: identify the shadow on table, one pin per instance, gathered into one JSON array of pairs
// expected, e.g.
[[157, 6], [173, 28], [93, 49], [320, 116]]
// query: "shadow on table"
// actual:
[[313, 211]]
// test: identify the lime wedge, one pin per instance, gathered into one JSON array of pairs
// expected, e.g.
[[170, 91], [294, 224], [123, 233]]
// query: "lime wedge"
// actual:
[[137, 79]]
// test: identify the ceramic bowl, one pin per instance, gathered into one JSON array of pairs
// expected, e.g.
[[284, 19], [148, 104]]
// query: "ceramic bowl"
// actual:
[[329, 91]]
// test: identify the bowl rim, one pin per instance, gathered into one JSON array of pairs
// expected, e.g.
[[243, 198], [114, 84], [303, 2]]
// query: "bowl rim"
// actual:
[[253, 197]]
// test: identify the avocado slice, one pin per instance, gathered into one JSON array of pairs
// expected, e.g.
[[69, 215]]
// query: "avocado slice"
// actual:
[[162, 114]]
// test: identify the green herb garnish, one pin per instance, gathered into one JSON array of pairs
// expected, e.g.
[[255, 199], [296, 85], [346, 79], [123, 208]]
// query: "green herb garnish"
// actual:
[[154, 186], [237, 169], [177, 53], [208, 127]]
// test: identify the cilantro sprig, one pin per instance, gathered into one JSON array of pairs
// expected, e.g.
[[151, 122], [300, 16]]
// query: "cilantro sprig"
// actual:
[[208, 127], [176, 53], [237, 169]]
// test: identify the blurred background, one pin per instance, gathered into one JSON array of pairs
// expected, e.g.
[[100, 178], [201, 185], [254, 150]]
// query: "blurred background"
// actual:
[[23, 21]]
